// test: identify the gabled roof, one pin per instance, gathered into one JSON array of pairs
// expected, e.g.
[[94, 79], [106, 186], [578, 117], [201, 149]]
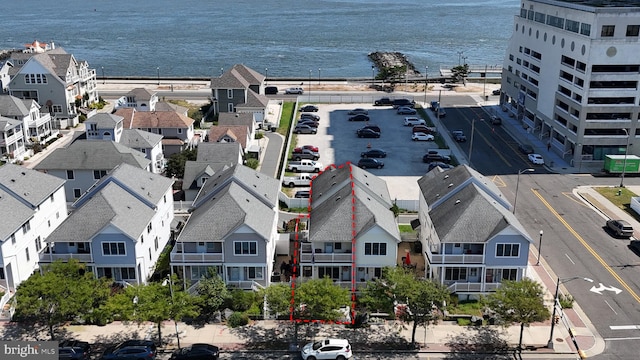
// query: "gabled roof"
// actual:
[[251, 76], [105, 120], [8, 124], [153, 119], [229, 119], [237, 132], [167, 106], [11, 106], [135, 138], [342, 206], [21, 191], [92, 155], [194, 170], [255, 100], [214, 152], [261, 186], [239, 77], [141, 94], [471, 215]]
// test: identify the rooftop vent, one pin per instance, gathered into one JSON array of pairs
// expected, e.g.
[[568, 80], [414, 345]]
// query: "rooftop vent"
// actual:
[[450, 185], [457, 201]]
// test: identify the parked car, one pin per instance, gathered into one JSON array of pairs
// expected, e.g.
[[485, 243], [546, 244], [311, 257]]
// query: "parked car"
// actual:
[[271, 90], [309, 122], [359, 117], [73, 349], [302, 194], [458, 135], [495, 120], [294, 90], [327, 349], [405, 110], [365, 163], [434, 105], [424, 129], [420, 136], [433, 156], [357, 111], [367, 133], [620, 228], [403, 102], [413, 121], [197, 352], [311, 116], [634, 245], [496, 92], [536, 159], [309, 108], [385, 101], [305, 154], [373, 127], [441, 165], [304, 129], [373, 153], [132, 349], [305, 147], [525, 149]]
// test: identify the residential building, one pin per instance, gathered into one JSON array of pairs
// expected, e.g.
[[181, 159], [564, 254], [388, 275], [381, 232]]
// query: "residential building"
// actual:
[[230, 134], [119, 227], [241, 90], [470, 238], [570, 74], [353, 234], [12, 144], [54, 79], [140, 99], [37, 126], [176, 129], [211, 158], [32, 206], [232, 230], [84, 162], [103, 126]]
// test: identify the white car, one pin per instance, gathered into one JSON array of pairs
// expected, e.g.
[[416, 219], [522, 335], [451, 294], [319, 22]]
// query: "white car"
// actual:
[[536, 159], [294, 90], [338, 349], [420, 136], [413, 121]]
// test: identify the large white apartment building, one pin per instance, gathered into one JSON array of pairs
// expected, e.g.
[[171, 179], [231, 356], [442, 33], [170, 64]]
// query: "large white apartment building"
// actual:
[[571, 74]]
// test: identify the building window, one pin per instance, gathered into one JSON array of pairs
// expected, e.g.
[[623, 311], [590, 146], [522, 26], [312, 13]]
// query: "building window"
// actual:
[[508, 250], [149, 228], [142, 239], [253, 273], [214, 247], [230, 108], [70, 175], [155, 242], [245, 248], [26, 252], [26, 227], [77, 193], [51, 197], [585, 29], [633, 30], [113, 248], [573, 26], [455, 274], [13, 239], [507, 274], [38, 244], [128, 273], [607, 30], [179, 130], [332, 272], [229, 93], [375, 248], [57, 109], [98, 174]]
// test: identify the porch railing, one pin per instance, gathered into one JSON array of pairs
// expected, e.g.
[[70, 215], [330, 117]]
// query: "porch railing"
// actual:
[[197, 257], [456, 259]]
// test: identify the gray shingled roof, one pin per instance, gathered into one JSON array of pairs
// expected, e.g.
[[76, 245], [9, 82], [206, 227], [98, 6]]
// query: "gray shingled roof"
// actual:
[[7, 124], [231, 79], [141, 94], [253, 77], [112, 205], [135, 138], [11, 106], [167, 106], [21, 191], [214, 152], [226, 118], [149, 186], [261, 186], [105, 120], [194, 170], [93, 155], [255, 100]]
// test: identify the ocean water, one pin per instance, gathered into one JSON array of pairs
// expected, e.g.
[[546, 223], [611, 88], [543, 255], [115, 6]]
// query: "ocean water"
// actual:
[[300, 38]]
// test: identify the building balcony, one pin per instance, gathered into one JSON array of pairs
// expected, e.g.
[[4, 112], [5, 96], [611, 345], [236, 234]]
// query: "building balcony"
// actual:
[[325, 258], [246, 284], [201, 258], [49, 257], [456, 259], [472, 287]]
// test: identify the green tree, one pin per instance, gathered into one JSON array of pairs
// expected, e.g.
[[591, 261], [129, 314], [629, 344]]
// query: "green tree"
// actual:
[[176, 162], [460, 73], [320, 299], [278, 297], [153, 302], [519, 302], [423, 298], [212, 291], [64, 291]]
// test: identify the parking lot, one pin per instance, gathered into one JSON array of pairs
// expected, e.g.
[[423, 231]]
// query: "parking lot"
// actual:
[[338, 142]]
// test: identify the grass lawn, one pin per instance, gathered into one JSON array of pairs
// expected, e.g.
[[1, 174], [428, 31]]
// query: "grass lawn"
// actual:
[[465, 308], [286, 118], [623, 201], [404, 228]]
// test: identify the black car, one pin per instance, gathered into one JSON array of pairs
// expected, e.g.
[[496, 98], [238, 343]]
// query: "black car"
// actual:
[[359, 117], [73, 349], [197, 352], [370, 163], [385, 101], [439, 164], [458, 136], [309, 108], [496, 92], [374, 153], [132, 349], [303, 194], [271, 90], [309, 122], [431, 157], [367, 133], [373, 127], [310, 116], [403, 102]]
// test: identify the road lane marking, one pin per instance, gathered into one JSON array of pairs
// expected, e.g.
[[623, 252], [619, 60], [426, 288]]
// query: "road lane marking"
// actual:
[[572, 197], [602, 288], [610, 307], [624, 327], [569, 258], [497, 180], [489, 143], [587, 246], [624, 338]]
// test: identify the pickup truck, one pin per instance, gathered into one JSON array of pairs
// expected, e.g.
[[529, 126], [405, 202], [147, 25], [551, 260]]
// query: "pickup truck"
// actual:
[[303, 179], [305, 154], [458, 136], [385, 101], [305, 166]]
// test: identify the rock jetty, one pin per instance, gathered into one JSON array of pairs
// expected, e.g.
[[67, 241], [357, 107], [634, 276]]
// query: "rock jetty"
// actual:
[[387, 60]]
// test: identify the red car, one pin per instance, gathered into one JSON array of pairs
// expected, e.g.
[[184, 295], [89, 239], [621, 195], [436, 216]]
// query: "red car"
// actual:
[[307, 147]]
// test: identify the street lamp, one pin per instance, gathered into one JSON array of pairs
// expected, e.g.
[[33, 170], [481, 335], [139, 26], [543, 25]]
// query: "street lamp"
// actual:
[[319, 76], [158, 69], [221, 71], [624, 163], [426, 83], [103, 78], [164, 283], [515, 200], [555, 302], [539, 247], [460, 55], [373, 76], [310, 72], [473, 128], [266, 75]]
